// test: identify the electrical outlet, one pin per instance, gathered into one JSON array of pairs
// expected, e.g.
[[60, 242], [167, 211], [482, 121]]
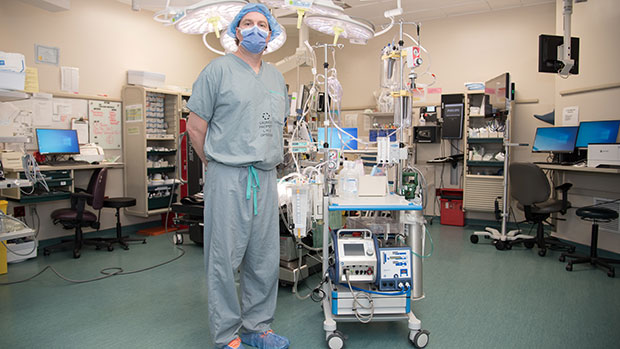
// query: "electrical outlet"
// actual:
[[19, 211]]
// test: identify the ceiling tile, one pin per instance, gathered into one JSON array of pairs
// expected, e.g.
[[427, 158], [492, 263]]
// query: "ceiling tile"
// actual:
[[503, 4], [471, 7]]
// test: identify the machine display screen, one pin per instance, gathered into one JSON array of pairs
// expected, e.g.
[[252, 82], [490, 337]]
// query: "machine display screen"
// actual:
[[353, 249], [347, 143], [592, 132], [555, 139]]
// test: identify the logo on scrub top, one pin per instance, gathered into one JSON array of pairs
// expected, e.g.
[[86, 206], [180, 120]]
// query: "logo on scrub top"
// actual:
[[265, 125]]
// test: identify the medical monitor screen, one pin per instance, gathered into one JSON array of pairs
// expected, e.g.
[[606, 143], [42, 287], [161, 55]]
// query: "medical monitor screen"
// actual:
[[498, 90], [347, 142], [53, 141], [353, 249], [555, 139], [592, 132]]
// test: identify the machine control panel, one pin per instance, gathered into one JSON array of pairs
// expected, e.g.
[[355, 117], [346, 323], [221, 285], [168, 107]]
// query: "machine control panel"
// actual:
[[356, 255]]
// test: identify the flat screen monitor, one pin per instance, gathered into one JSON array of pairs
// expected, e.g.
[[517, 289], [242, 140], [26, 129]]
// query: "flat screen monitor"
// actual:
[[548, 60], [334, 140], [55, 141], [555, 139], [592, 132], [498, 92]]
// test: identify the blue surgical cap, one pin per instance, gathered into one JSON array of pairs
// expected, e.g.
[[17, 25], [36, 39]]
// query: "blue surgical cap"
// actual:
[[260, 8]]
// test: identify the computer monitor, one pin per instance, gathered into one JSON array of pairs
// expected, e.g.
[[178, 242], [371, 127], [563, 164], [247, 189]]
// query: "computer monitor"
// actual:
[[57, 142], [592, 132], [334, 140], [555, 139]]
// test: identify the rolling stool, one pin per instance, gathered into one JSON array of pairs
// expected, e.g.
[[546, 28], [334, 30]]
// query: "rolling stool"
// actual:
[[118, 203], [594, 214]]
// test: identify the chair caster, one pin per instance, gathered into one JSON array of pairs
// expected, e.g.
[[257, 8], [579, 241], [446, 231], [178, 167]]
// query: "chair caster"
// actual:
[[473, 238], [46, 252], [110, 248], [508, 246], [562, 258], [500, 245], [76, 254], [542, 252], [569, 267], [529, 243]]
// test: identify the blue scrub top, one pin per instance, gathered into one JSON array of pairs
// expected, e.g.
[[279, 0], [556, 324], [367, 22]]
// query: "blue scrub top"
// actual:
[[245, 112]]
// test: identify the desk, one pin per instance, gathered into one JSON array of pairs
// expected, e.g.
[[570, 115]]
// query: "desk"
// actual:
[[589, 185], [66, 184]]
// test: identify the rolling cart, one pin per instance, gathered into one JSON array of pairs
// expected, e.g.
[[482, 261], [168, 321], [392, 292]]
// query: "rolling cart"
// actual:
[[337, 303]]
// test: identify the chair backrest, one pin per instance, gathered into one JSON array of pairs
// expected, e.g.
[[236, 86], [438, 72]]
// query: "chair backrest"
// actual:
[[96, 187], [528, 183]]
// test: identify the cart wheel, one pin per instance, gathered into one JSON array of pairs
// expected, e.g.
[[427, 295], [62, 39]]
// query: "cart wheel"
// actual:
[[542, 252], [420, 338], [76, 253], [562, 258], [335, 340], [178, 239], [46, 252], [500, 245], [529, 243], [508, 246], [110, 248], [473, 238], [569, 267]]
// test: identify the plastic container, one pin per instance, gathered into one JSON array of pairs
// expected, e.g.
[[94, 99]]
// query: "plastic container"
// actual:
[[145, 78], [349, 181], [12, 71], [452, 207]]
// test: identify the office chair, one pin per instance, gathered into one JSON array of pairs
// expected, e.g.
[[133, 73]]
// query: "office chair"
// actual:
[[595, 215], [76, 217], [530, 187]]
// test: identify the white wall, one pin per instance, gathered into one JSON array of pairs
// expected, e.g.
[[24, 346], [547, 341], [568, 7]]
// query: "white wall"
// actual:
[[103, 38], [597, 24]]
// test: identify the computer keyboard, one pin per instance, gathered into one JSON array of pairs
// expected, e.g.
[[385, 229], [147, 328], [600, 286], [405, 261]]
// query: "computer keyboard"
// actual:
[[66, 163]]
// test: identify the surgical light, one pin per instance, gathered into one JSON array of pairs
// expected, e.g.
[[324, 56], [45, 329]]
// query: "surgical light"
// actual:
[[208, 16], [230, 45], [358, 31], [319, 7]]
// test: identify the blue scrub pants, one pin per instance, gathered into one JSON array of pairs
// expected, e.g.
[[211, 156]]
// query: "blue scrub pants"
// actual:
[[236, 238]]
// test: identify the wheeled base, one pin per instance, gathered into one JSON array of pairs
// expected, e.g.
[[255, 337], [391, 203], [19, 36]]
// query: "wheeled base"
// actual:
[[336, 339], [501, 241]]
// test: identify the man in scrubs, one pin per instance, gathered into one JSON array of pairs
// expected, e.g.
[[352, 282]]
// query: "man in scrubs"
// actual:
[[235, 125]]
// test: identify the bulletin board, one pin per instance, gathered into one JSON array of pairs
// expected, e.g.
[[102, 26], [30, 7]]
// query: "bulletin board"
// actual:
[[104, 119], [51, 112]]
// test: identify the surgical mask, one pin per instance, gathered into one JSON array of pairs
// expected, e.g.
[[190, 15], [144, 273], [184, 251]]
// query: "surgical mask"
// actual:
[[254, 39]]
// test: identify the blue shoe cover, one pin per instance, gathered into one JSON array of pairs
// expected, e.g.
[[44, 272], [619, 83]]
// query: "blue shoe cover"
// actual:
[[265, 340]]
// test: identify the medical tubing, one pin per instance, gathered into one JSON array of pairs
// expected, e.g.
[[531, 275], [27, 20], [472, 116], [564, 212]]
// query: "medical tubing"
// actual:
[[362, 318], [297, 276], [432, 244]]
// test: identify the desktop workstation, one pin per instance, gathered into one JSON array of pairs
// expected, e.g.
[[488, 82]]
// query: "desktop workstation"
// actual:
[[570, 152]]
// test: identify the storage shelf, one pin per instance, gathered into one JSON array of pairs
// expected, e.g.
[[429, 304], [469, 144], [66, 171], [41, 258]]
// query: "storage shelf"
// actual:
[[152, 170], [8, 95], [485, 163], [159, 152], [159, 138], [485, 140]]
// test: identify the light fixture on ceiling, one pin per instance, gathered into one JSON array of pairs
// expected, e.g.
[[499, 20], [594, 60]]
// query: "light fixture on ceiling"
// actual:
[[230, 45], [357, 30], [318, 7], [206, 16]]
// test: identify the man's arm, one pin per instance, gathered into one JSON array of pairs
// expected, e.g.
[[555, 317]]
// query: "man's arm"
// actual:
[[197, 130]]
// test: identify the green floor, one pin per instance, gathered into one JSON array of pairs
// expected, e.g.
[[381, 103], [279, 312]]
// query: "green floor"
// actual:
[[476, 297]]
